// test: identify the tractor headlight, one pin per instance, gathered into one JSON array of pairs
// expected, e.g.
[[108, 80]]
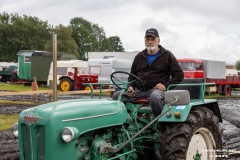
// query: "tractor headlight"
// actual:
[[15, 129], [67, 134]]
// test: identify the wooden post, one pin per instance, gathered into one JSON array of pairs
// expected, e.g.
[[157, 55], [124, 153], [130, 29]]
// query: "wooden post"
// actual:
[[54, 67]]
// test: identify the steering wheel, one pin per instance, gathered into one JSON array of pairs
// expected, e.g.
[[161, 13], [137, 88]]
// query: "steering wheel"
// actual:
[[124, 83]]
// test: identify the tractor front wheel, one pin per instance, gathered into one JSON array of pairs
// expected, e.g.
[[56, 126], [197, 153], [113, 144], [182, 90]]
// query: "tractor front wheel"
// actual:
[[87, 88], [66, 84], [197, 138]]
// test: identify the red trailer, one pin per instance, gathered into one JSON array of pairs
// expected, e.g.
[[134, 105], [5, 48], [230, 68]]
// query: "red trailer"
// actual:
[[74, 81], [212, 72]]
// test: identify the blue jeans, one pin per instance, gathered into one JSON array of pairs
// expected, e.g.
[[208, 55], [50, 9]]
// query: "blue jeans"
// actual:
[[155, 97]]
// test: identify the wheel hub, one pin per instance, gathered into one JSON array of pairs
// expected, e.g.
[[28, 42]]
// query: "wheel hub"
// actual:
[[65, 86], [201, 145]]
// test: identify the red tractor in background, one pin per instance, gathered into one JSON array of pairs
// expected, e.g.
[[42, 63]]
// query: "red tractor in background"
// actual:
[[74, 81]]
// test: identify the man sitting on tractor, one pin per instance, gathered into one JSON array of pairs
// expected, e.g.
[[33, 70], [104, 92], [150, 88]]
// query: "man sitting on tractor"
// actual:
[[157, 68]]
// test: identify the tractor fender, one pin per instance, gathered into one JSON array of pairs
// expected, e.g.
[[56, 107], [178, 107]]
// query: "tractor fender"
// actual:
[[70, 77], [184, 110]]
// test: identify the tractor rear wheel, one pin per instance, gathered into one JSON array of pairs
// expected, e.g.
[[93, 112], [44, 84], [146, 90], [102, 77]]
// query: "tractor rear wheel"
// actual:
[[197, 138], [66, 84]]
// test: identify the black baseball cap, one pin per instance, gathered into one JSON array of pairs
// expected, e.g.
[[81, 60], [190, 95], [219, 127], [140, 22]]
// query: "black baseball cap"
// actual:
[[152, 32]]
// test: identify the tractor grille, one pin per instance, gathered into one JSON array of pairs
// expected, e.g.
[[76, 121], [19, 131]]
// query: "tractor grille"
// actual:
[[40, 143], [26, 143], [33, 139]]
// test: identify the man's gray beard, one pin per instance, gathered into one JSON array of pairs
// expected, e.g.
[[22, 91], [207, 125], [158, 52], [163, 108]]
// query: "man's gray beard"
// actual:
[[151, 48]]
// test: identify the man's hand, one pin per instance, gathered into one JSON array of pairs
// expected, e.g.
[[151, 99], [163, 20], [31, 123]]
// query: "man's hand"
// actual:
[[130, 91], [160, 86]]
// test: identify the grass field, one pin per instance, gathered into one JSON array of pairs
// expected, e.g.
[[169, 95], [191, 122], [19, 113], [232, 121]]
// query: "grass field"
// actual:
[[17, 87], [7, 120], [17, 102], [21, 87]]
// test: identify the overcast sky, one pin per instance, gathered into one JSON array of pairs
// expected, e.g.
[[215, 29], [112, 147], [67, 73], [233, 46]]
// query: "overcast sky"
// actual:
[[206, 29]]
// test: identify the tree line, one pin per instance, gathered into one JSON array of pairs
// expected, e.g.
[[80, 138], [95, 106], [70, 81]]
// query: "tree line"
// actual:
[[30, 33]]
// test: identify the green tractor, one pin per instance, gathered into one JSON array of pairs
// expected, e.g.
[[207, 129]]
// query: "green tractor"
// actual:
[[106, 129]]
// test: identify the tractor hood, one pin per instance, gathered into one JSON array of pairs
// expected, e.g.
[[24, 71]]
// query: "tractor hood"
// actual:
[[86, 115]]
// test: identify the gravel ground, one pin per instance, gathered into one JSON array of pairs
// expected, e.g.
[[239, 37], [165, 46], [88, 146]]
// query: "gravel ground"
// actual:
[[230, 109]]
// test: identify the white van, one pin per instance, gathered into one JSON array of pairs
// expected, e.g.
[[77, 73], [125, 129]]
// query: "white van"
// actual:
[[104, 67], [63, 67]]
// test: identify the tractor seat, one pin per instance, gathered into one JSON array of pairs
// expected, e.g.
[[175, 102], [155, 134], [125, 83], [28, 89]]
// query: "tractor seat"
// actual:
[[145, 108], [141, 101]]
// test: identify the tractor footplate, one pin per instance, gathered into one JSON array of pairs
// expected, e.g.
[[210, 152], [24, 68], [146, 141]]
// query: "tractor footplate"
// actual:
[[106, 148]]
